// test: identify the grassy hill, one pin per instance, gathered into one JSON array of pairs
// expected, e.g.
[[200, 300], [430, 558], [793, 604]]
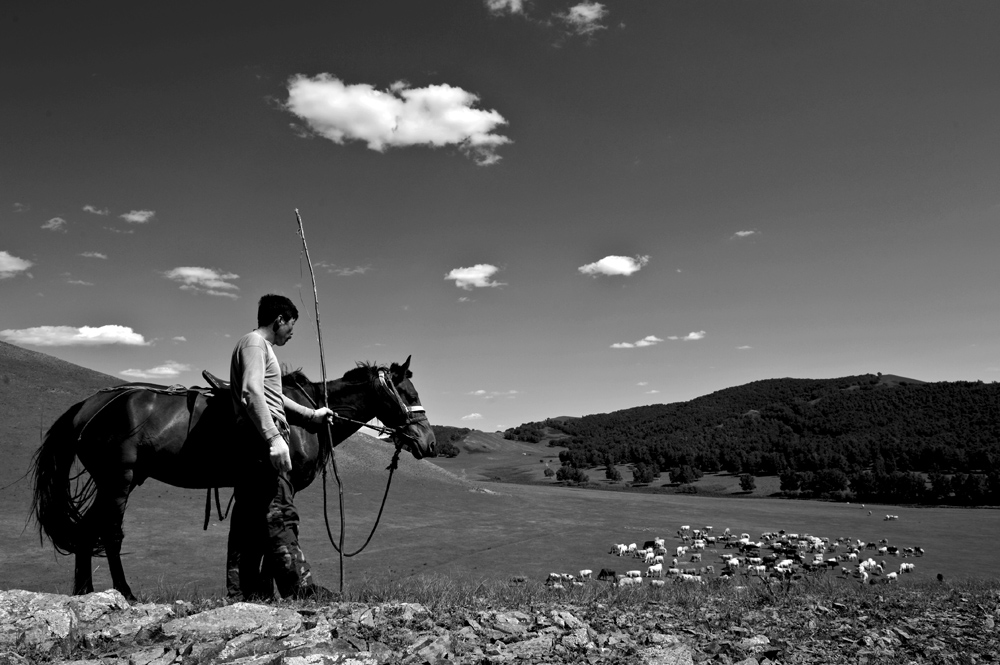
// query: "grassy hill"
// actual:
[[35, 389], [868, 437]]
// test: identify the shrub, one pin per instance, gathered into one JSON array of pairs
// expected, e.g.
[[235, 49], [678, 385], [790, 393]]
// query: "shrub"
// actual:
[[447, 449], [643, 474], [747, 482], [572, 474], [549, 472]]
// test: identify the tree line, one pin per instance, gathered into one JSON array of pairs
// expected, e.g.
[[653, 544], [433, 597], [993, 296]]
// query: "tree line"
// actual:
[[853, 438]]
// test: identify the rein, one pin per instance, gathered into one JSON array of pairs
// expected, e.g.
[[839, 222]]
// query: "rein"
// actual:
[[393, 465]]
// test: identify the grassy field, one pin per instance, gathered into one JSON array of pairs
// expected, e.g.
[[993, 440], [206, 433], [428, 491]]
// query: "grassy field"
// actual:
[[436, 523], [447, 519]]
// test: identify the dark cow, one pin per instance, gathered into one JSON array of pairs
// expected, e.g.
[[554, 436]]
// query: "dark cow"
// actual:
[[606, 574]]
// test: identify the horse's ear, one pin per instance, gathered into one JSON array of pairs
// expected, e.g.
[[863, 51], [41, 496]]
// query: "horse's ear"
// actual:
[[402, 371]]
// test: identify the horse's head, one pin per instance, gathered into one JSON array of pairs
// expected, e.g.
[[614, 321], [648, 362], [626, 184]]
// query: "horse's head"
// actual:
[[402, 410]]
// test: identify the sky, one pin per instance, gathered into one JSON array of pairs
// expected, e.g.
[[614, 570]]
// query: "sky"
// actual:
[[556, 207]]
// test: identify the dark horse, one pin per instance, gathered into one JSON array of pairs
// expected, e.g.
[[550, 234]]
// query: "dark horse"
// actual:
[[126, 434]]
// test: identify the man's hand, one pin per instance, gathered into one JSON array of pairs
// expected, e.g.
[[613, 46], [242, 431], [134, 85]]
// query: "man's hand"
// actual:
[[322, 415], [281, 459]]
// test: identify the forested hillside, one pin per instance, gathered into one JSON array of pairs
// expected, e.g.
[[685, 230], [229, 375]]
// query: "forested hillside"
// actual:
[[858, 437]]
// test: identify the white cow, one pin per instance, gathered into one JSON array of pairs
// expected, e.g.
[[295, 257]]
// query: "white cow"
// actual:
[[655, 570], [620, 549], [586, 574], [633, 573]]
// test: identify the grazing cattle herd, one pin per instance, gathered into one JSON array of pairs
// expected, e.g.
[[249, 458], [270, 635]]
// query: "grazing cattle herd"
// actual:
[[776, 555]]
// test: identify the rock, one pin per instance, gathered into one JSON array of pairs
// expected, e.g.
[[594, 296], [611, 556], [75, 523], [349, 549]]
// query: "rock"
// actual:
[[331, 659], [578, 640], [130, 623], [535, 646], [564, 619], [93, 607], [146, 656], [41, 621], [366, 616], [754, 644], [431, 649], [409, 611], [676, 654], [236, 619]]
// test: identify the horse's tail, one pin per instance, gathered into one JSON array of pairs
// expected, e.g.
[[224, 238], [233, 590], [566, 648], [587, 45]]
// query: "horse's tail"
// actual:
[[59, 501]]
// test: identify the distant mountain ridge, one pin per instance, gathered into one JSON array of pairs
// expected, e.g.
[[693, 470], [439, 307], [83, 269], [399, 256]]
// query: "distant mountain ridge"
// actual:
[[883, 425], [35, 388]]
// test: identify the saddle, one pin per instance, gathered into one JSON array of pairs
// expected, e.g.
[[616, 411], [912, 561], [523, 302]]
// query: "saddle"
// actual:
[[214, 381]]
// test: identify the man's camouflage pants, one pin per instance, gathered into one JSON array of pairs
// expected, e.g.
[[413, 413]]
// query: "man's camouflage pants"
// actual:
[[263, 548]]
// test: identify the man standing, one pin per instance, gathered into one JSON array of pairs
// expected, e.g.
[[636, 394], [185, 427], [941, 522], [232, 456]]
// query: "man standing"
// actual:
[[263, 535]]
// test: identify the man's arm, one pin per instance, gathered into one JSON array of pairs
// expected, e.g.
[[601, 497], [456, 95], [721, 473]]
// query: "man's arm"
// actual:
[[297, 412], [252, 392]]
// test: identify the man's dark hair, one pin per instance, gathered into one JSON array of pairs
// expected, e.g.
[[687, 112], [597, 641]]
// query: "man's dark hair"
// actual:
[[272, 306]]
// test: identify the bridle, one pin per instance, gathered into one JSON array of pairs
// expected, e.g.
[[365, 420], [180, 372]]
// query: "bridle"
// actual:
[[409, 415]]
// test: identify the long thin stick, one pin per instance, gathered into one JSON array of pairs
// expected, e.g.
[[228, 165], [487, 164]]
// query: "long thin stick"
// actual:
[[322, 366]]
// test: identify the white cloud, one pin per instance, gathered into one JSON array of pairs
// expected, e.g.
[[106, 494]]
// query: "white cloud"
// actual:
[[694, 336], [477, 276], [168, 370], [95, 210], [79, 282], [743, 348], [180, 338], [10, 265], [69, 336], [584, 18], [55, 224], [472, 416], [138, 216], [643, 383], [652, 392], [204, 280], [505, 6], [494, 394], [436, 115], [21, 207], [744, 234], [343, 271], [114, 230], [615, 265], [94, 255], [648, 340]]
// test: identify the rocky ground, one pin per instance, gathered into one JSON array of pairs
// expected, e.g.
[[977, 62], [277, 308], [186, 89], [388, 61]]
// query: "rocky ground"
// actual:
[[938, 626]]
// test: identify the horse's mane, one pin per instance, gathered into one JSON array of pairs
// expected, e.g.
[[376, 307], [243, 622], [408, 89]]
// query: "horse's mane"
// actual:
[[363, 372]]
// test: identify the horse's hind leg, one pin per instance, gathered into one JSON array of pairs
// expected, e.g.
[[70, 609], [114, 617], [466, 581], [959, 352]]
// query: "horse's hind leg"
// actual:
[[83, 578], [112, 499]]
